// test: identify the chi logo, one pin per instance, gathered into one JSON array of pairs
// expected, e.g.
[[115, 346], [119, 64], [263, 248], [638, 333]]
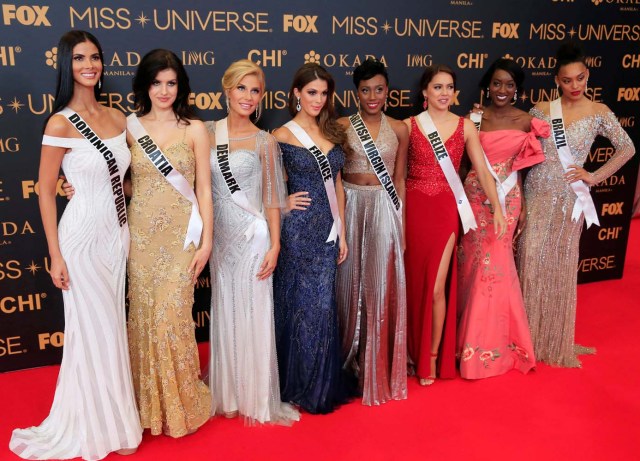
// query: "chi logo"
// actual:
[[312, 57], [52, 57]]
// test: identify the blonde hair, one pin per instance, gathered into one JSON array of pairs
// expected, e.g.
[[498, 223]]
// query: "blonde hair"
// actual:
[[239, 70]]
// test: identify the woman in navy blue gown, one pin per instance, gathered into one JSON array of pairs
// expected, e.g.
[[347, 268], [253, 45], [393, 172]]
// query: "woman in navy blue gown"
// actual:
[[312, 245]]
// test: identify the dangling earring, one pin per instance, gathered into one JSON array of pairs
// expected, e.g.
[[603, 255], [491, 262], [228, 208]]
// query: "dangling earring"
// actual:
[[385, 104], [487, 94], [586, 86], [425, 104], [359, 105], [227, 101], [257, 112], [515, 97], [298, 106], [99, 84]]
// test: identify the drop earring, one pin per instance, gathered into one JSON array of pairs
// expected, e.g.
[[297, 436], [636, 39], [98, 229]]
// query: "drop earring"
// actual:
[[385, 104], [99, 84], [359, 105], [298, 106], [425, 104], [227, 101], [515, 97], [487, 94]]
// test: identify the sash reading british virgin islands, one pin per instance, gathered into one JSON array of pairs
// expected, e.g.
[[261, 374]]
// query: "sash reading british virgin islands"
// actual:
[[325, 171], [503, 188], [375, 159], [440, 151], [584, 202], [115, 176], [258, 229], [173, 176]]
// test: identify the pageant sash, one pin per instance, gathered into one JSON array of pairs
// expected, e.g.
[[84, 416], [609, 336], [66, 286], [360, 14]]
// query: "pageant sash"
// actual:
[[258, 229], [584, 202], [325, 171], [173, 177], [375, 159], [440, 151], [115, 176], [502, 188]]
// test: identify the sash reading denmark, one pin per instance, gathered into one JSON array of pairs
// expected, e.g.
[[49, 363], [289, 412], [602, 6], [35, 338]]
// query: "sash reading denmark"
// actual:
[[325, 172], [112, 166], [258, 229], [173, 176], [584, 202], [440, 151], [503, 188], [375, 159]]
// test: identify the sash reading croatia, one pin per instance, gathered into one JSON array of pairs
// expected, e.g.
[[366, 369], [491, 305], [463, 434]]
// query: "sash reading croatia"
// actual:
[[325, 171], [115, 177], [440, 151], [173, 176], [374, 157], [258, 229], [584, 202]]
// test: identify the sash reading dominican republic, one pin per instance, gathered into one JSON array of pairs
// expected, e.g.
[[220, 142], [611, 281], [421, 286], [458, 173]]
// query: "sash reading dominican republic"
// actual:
[[503, 188], [584, 202], [325, 171], [115, 176], [440, 151], [258, 229], [375, 159], [173, 176]]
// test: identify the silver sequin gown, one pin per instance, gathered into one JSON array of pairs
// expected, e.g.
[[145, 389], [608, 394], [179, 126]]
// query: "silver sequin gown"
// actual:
[[243, 370], [372, 303], [548, 247]]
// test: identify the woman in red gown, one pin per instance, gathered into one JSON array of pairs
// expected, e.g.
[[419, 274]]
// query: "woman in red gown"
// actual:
[[432, 225]]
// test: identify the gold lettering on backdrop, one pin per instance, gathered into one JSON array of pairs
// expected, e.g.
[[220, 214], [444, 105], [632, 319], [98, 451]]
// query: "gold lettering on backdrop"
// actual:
[[612, 209], [21, 303], [355, 25], [218, 21], [275, 99], [11, 345], [439, 28], [46, 340], [10, 269], [100, 18], [9, 145], [44, 101], [601, 154], [30, 187], [609, 233], [597, 264]]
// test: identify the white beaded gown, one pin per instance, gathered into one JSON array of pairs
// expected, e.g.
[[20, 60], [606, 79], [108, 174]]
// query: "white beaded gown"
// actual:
[[243, 369], [94, 409]]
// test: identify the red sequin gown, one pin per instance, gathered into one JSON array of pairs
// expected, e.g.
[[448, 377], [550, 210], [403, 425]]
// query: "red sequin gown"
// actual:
[[431, 218]]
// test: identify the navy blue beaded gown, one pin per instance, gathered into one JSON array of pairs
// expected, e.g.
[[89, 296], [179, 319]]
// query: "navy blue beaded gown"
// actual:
[[304, 285]]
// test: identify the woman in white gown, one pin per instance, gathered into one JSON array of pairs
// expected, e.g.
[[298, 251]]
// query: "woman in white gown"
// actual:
[[248, 194], [94, 409]]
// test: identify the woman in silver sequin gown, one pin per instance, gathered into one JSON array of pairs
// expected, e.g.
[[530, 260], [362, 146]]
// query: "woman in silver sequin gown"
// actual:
[[371, 285], [243, 373], [548, 247]]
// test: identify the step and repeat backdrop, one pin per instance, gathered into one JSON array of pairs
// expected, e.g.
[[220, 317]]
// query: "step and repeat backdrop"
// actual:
[[280, 36]]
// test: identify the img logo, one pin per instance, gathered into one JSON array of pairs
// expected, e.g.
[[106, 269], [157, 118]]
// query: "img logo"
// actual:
[[26, 15], [300, 23]]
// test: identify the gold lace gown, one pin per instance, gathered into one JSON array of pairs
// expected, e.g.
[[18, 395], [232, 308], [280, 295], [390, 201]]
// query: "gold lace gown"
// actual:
[[548, 249], [164, 354]]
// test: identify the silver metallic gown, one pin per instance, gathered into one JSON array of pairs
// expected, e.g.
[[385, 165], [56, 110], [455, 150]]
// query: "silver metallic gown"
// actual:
[[371, 282], [243, 369], [548, 247]]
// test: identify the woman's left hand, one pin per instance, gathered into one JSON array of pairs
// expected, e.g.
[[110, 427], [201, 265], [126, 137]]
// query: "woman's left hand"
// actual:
[[499, 223], [343, 251], [577, 173], [200, 259], [268, 264]]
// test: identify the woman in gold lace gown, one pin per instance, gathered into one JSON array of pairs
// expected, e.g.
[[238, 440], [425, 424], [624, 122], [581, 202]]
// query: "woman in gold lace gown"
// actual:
[[162, 268], [548, 247]]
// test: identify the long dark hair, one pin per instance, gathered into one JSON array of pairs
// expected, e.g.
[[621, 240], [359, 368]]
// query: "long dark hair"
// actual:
[[509, 66], [329, 127], [153, 62], [65, 81]]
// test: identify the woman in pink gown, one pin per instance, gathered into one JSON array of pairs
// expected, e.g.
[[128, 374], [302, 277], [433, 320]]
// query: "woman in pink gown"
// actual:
[[493, 332]]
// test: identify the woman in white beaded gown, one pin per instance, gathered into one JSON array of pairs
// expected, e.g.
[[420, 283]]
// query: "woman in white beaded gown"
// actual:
[[94, 409], [248, 194]]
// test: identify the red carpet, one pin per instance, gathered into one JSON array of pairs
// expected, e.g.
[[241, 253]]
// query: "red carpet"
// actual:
[[550, 414]]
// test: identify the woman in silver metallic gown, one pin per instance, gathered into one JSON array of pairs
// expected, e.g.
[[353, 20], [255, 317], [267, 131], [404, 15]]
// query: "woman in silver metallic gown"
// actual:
[[548, 247], [243, 373], [371, 282]]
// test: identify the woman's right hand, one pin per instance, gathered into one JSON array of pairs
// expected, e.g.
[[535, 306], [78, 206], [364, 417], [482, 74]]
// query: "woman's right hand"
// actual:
[[59, 273], [298, 201], [67, 187]]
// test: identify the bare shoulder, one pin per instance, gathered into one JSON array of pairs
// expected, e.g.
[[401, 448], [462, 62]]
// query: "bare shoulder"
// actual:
[[544, 107], [344, 122], [283, 134], [59, 127], [399, 127], [600, 108], [197, 127]]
